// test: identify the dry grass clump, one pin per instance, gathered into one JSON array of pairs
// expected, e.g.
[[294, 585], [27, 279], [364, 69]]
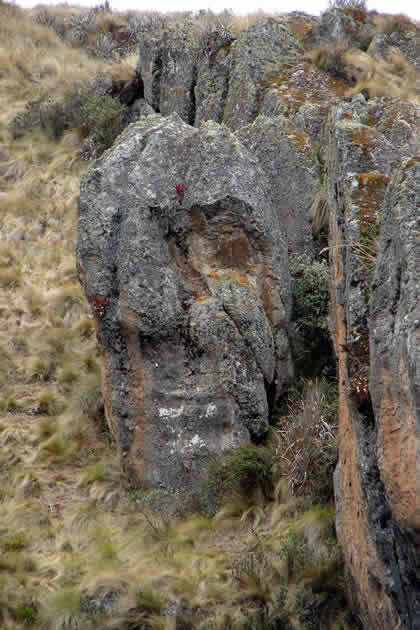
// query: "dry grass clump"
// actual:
[[393, 76], [397, 23], [307, 446]]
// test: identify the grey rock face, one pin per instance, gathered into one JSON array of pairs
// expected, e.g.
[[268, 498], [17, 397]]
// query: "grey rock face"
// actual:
[[191, 294], [342, 26], [287, 157], [259, 52], [213, 71], [178, 75], [167, 65], [149, 67]]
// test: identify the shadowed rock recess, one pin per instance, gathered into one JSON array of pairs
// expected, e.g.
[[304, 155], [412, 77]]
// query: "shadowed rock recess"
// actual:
[[185, 230]]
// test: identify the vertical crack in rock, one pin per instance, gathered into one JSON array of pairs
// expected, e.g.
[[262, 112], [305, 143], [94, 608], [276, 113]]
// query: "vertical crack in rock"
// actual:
[[192, 110], [156, 76]]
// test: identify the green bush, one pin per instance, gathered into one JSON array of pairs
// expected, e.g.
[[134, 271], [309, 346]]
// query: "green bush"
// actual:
[[311, 342], [97, 116], [101, 119], [242, 472]]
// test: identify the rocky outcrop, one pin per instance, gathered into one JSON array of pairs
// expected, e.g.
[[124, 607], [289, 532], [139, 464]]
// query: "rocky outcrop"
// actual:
[[377, 539], [182, 257], [184, 235], [342, 27], [167, 65]]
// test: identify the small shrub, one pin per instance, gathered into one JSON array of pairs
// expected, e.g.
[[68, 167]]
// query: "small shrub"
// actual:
[[101, 120], [80, 25], [48, 19], [14, 543], [149, 601], [47, 428], [105, 47], [95, 473], [27, 615], [86, 398], [331, 59], [295, 551], [29, 118], [48, 403], [242, 473]]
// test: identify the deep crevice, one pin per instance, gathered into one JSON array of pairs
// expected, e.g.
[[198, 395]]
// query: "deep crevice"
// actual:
[[192, 107], [156, 75]]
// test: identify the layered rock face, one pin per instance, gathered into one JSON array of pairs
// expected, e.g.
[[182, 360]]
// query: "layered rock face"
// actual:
[[378, 352], [183, 259]]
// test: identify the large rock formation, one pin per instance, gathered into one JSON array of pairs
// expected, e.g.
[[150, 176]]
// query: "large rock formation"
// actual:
[[377, 475], [183, 242], [182, 257]]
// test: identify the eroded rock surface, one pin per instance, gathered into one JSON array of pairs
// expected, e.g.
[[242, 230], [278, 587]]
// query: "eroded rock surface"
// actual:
[[287, 157], [191, 293], [373, 486]]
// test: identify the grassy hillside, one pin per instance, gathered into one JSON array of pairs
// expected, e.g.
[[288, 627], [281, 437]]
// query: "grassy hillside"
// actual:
[[79, 547]]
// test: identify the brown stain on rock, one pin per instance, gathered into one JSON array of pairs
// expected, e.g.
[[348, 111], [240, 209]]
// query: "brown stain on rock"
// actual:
[[397, 447], [136, 453], [354, 534]]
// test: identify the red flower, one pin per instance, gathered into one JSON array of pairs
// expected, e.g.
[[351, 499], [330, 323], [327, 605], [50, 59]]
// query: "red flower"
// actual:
[[180, 192], [98, 306]]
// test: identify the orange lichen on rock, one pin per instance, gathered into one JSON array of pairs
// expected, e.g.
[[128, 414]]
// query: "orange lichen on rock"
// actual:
[[213, 274], [369, 195]]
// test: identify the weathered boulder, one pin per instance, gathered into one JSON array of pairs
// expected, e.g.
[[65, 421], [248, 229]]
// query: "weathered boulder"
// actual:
[[182, 257], [261, 51], [288, 159], [378, 549]]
